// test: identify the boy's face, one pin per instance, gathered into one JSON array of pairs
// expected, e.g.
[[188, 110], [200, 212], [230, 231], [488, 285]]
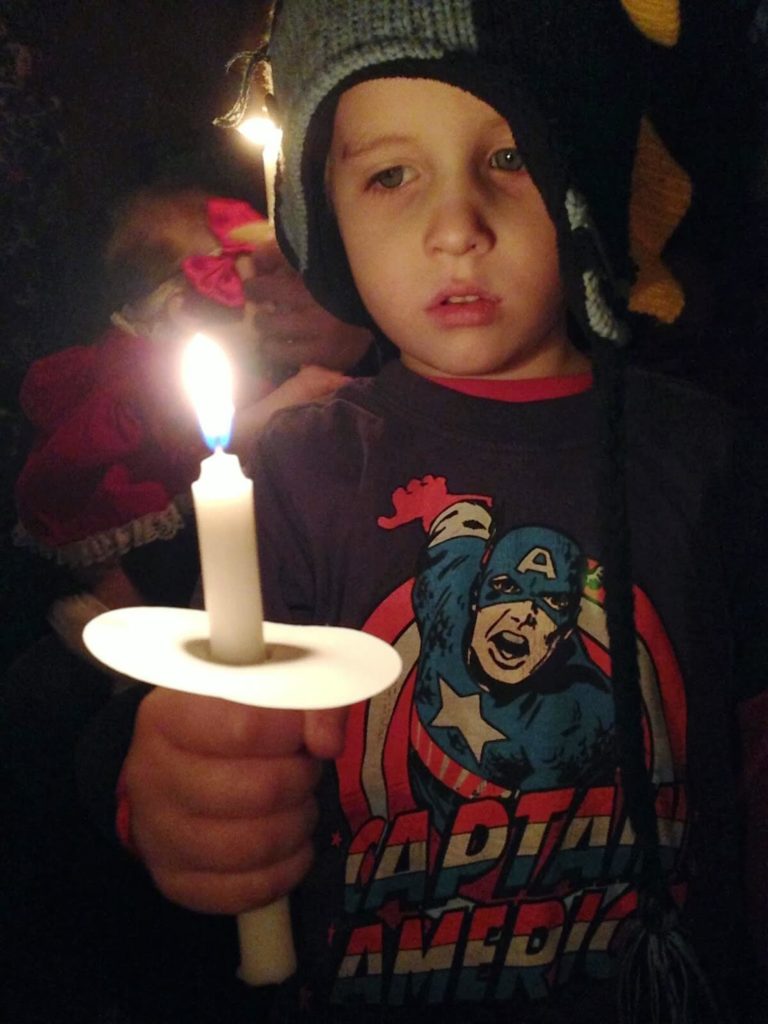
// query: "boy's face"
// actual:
[[449, 241]]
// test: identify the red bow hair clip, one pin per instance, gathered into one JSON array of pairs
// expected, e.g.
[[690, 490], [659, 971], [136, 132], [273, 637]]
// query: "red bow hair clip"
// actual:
[[214, 275]]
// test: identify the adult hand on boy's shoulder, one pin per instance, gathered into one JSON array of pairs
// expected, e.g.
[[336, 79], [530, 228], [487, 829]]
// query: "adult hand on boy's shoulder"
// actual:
[[221, 797], [294, 329]]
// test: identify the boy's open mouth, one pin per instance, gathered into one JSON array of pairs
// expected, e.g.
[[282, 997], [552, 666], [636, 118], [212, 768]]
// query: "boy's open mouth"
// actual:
[[464, 293], [463, 305]]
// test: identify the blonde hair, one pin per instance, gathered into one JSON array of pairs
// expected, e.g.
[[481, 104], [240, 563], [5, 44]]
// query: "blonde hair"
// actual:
[[153, 231]]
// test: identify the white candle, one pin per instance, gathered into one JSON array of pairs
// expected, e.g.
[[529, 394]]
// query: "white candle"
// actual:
[[226, 530], [224, 512], [267, 953], [263, 132]]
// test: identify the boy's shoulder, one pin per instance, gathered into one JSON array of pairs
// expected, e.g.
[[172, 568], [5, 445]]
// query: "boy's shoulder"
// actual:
[[353, 395], [362, 403], [662, 412]]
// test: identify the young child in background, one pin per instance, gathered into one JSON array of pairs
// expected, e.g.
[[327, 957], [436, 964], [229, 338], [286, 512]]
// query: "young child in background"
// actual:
[[542, 822], [117, 443]]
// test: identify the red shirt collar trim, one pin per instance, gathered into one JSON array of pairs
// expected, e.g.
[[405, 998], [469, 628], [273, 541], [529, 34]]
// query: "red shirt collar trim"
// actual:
[[536, 389]]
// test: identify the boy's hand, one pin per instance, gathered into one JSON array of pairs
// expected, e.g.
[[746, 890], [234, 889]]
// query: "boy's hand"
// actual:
[[221, 797]]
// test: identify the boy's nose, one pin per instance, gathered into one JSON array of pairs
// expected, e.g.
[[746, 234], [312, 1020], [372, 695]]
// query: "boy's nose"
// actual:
[[458, 225]]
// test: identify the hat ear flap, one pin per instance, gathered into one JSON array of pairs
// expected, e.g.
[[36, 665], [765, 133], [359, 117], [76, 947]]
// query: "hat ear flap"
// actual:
[[658, 20], [661, 196]]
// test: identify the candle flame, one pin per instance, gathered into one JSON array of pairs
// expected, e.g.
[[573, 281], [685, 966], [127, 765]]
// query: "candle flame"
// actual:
[[262, 131], [207, 377]]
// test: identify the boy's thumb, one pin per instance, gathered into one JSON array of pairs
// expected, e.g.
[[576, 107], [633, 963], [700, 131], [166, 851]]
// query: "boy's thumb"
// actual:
[[325, 732]]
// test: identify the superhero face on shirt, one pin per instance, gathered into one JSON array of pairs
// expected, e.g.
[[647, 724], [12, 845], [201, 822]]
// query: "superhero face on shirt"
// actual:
[[527, 602]]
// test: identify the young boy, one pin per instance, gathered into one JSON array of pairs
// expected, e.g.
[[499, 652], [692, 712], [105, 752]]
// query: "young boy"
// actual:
[[516, 820]]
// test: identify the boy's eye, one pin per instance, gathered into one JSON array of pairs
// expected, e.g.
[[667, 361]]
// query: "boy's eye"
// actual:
[[507, 159], [392, 177]]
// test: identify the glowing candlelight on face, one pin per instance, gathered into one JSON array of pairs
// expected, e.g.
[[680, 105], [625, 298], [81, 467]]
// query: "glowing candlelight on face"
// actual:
[[226, 526], [262, 131]]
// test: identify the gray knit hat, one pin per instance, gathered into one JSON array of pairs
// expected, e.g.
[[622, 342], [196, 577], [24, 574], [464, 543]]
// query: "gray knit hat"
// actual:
[[614, 103], [346, 39], [541, 63]]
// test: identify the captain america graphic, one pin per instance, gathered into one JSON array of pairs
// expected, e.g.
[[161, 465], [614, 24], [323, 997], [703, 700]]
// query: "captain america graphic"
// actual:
[[504, 686], [486, 846]]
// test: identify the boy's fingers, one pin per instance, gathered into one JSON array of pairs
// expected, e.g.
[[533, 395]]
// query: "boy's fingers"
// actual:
[[211, 726], [242, 788], [212, 893], [229, 846]]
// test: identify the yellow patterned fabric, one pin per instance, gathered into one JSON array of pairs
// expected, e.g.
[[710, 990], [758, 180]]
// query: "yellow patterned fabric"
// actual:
[[659, 20], [661, 195]]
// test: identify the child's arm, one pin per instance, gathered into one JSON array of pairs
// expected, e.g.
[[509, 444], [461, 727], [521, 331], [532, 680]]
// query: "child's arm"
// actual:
[[221, 797]]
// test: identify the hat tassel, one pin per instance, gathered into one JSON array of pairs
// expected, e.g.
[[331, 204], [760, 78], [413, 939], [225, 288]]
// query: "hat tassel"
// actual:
[[661, 980]]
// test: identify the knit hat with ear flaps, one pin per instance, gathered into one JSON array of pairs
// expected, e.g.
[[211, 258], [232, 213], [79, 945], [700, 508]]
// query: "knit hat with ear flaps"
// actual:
[[575, 80], [546, 66], [607, 98]]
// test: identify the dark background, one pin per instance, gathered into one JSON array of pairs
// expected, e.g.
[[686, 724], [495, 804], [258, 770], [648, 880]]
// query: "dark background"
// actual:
[[96, 98]]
